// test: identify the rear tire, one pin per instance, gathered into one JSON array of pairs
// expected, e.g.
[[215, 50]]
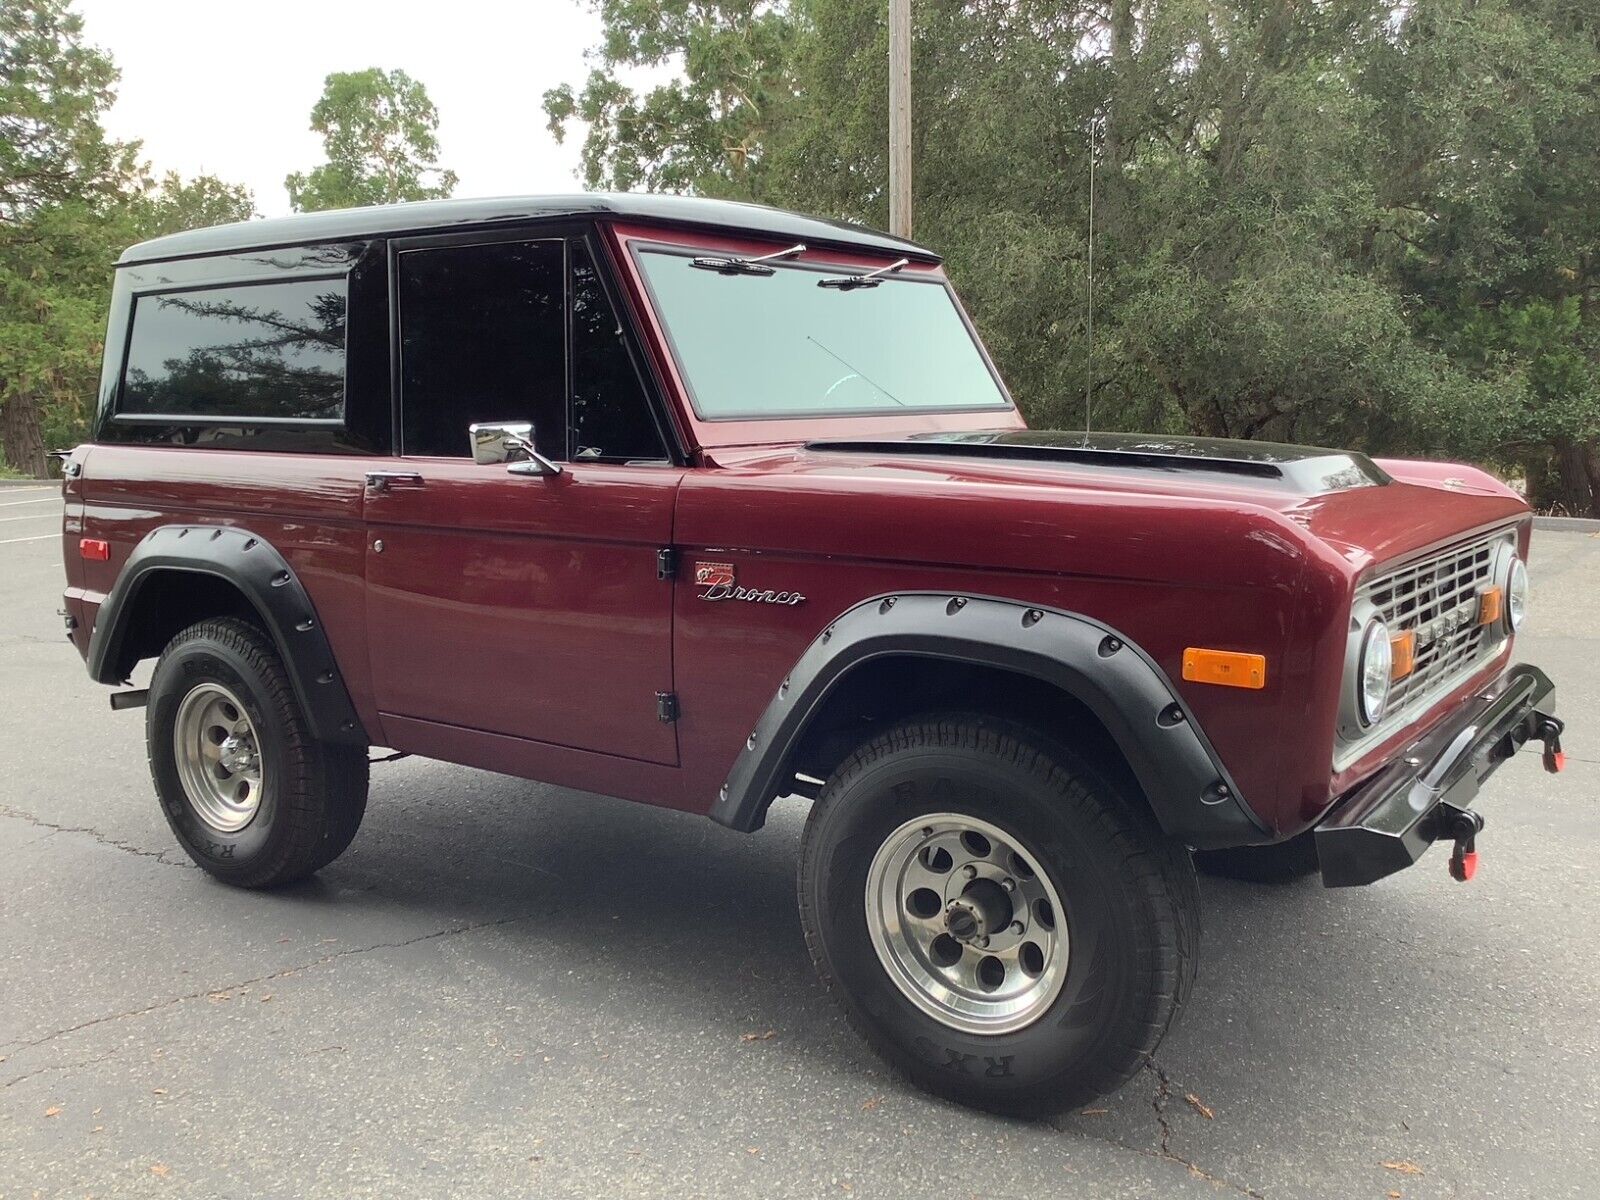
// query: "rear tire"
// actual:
[[1283, 863], [895, 822], [251, 795]]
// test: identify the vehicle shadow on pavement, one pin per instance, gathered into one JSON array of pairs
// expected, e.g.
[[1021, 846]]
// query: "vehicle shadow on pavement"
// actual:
[[699, 924], [1329, 1032]]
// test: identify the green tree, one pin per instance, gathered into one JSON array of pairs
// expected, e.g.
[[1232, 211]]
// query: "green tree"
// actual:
[[380, 134], [1492, 186], [60, 180], [70, 200], [173, 205], [702, 131], [1364, 221]]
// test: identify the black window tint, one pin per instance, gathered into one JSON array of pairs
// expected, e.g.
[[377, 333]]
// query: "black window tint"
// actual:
[[610, 410], [481, 339], [270, 350]]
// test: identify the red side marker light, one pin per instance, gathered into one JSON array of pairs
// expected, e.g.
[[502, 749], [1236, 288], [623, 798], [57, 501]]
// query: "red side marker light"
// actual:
[[94, 549]]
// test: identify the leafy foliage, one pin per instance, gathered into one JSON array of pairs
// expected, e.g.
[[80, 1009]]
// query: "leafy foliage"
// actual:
[[1370, 222], [707, 125], [60, 178], [380, 133], [1360, 221]]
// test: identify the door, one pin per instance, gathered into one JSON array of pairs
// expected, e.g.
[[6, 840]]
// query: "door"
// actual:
[[520, 605]]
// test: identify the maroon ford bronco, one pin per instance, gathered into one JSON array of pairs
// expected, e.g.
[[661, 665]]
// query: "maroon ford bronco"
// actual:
[[703, 505]]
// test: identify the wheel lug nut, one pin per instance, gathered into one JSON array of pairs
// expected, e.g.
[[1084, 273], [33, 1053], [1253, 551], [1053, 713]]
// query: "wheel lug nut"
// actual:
[[983, 943], [927, 831], [1010, 885], [970, 872], [1016, 927]]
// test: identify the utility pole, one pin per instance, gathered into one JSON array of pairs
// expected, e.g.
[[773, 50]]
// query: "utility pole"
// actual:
[[900, 118]]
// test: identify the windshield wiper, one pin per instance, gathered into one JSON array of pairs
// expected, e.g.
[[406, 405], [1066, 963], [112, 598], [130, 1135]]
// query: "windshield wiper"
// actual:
[[848, 283], [747, 266]]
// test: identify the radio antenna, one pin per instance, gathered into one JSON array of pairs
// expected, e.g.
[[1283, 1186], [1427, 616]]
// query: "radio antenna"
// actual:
[[1088, 383]]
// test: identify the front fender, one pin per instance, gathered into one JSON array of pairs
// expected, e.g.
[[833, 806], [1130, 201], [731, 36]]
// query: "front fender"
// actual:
[[1190, 791]]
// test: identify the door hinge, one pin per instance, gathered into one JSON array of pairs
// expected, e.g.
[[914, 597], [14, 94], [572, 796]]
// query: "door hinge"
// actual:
[[667, 707], [666, 563]]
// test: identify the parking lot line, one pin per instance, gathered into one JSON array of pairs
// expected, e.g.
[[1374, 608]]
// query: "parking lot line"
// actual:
[[49, 516], [43, 537], [20, 503]]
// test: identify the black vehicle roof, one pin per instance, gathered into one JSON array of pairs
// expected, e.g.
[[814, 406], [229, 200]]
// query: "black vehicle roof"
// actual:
[[433, 216]]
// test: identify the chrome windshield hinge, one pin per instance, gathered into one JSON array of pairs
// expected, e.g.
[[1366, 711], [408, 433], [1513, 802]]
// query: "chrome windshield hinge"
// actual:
[[666, 563], [666, 707]]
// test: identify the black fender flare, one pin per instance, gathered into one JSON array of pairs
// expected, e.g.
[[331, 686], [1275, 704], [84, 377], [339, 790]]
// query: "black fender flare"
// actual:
[[263, 576], [1192, 795]]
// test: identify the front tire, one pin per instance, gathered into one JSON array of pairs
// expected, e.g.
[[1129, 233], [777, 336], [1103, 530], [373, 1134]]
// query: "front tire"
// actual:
[[251, 795], [1041, 977]]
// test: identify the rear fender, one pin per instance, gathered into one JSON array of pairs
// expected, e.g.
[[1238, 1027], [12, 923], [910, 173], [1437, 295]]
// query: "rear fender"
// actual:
[[264, 578]]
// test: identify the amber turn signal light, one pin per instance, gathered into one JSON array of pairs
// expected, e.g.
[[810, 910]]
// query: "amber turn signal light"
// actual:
[[1228, 668], [1491, 602], [1402, 654]]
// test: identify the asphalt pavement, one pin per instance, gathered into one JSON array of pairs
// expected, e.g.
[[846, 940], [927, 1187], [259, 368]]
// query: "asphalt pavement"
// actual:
[[504, 989]]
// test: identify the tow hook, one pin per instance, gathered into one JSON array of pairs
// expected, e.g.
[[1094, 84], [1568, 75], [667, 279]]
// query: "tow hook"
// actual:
[[1548, 730], [1462, 826]]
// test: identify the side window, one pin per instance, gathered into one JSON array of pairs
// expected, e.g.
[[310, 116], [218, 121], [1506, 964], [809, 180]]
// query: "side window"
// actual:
[[482, 338], [610, 411], [265, 351]]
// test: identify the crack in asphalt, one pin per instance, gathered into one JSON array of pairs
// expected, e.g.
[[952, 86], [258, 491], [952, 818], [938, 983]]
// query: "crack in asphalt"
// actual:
[[78, 1066], [1158, 1104], [160, 856], [17, 1047]]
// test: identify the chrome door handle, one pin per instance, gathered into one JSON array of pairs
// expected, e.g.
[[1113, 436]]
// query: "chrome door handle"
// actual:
[[383, 481]]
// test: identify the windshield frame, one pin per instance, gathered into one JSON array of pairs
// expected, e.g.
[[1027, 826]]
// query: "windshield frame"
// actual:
[[820, 262]]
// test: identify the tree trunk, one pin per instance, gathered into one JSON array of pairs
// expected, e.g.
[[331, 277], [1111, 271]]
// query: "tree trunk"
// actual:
[[21, 436], [1120, 35], [1591, 469], [1536, 478], [1576, 493]]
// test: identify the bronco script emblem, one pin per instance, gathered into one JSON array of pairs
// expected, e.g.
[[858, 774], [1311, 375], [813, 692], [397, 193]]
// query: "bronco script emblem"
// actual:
[[716, 579]]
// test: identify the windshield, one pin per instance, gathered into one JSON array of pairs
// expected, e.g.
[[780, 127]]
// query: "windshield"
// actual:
[[779, 345]]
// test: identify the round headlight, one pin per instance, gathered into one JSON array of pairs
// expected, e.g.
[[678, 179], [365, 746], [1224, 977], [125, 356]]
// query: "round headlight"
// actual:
[[1372, 681], [1516, 593]]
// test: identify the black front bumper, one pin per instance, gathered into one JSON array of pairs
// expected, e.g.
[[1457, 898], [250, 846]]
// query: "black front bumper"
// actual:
[[1387, 821]]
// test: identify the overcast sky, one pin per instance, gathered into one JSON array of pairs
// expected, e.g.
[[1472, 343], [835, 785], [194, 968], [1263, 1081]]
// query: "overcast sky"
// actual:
[[227, 88]]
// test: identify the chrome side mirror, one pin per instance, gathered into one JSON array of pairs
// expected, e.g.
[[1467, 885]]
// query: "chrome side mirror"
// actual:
[[509, 442]]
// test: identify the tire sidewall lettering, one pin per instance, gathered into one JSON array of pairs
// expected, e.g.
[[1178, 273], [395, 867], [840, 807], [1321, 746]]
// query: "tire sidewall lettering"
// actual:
[[1099, 918], [189, 666]]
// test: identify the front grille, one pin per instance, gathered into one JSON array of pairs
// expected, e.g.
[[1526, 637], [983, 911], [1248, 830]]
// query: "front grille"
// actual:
[[1438, 599]]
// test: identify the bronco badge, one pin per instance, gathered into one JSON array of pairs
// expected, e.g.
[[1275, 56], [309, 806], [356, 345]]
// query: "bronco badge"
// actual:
[[716, 579]]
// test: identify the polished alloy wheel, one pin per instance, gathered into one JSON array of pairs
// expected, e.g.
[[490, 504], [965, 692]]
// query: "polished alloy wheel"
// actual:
[[218, 757], [967, 923]]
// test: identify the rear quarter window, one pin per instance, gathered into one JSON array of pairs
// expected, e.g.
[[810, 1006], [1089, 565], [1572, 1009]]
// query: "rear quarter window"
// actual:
[[265, 352]]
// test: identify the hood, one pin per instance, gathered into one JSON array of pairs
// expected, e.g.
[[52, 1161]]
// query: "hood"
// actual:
[[1366, 512], [1299, 470]]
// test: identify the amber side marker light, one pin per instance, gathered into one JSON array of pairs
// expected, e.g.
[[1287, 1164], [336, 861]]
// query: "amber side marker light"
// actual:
[[1227, 668], [1402, 654], [1491, 603]]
